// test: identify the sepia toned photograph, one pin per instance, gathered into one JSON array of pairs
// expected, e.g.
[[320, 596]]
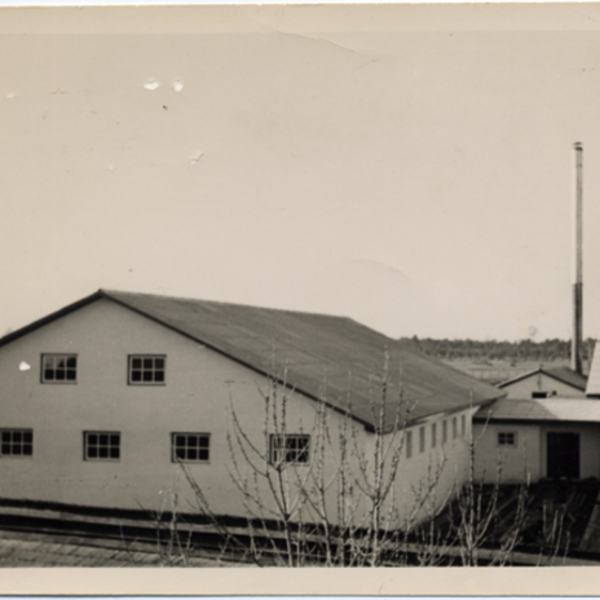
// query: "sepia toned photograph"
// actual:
[[300, 286]]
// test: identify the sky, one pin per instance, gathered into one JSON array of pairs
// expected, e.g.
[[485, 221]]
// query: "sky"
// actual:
[[409, 167]]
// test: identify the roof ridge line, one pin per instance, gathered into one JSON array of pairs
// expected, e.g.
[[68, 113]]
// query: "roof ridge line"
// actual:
[[108, 293]]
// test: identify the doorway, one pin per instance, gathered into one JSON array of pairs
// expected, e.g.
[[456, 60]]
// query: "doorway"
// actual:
[[562, 456]]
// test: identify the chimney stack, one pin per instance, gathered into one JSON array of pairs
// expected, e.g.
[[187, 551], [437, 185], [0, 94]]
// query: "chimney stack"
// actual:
[[576, 341]]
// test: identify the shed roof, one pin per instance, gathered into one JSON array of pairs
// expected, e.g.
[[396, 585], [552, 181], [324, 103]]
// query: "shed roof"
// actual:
[[593, 386], [562, 374], [323, 356], [543, 409]]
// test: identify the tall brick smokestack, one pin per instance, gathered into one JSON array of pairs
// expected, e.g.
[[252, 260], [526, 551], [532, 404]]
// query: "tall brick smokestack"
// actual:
[[577, 335]]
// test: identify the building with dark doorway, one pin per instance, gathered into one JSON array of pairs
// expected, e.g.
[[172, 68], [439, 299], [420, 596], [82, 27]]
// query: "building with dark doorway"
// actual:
[[529, 440]]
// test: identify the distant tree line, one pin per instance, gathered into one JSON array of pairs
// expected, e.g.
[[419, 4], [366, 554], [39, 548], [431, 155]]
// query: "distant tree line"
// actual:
[[522, 350]]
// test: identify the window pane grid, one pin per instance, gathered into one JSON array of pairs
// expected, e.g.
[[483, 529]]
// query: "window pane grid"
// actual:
[[16, 442], [289, 449], [102, 445], [59, 368], [190, 447], [506, 438], [144, 370]]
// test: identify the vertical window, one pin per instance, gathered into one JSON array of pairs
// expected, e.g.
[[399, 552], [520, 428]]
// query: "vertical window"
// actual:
[[408, 444], [190, 447], [101, 445], [16, 443], [454, 428], [59, 368], [422, 439], [463, 425], [146, 370], [444, 431], [289, 449], [507, 438], [433, 435]]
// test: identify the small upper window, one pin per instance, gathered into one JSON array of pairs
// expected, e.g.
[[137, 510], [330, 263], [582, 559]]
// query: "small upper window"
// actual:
[[507, 438], [539, 394], [289, 449], [16, 443], [59, 368], [146, 370]]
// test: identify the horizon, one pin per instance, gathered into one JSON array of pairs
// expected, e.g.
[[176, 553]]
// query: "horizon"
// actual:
[[409, 167]]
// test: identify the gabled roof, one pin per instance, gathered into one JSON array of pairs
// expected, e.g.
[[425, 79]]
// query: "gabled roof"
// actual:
[[324, 357], [593, 386], [546, 409], [562, 374]]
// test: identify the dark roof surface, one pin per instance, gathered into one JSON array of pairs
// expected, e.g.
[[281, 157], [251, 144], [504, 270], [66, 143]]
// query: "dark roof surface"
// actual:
[[324, 356], [543, 409], [567, 375], [563, 374]]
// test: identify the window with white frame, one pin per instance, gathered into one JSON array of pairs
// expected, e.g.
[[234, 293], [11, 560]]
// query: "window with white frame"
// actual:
[[146, 369], [408, 444], [16, 443], [59, 368], [421, 439], [433, 435], [101, 445], [190, 447], [454, 428], [289, 448], [507, 438], [444, 431], [463, 425]]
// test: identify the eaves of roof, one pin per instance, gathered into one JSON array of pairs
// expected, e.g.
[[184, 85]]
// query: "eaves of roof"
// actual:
[[542, 410], [553, 374], [63, 312]]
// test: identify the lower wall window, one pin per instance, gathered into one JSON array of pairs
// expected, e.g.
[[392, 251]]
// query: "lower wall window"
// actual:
[[101, 445], [289, 448], [507, 438], [190, 447], [16, 443]]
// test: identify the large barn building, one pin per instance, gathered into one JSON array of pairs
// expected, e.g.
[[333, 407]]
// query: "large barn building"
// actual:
[[103, 401]]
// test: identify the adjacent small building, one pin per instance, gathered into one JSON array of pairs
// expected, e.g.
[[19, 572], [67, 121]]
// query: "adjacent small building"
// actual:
[[544, 382], [528, 440]]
